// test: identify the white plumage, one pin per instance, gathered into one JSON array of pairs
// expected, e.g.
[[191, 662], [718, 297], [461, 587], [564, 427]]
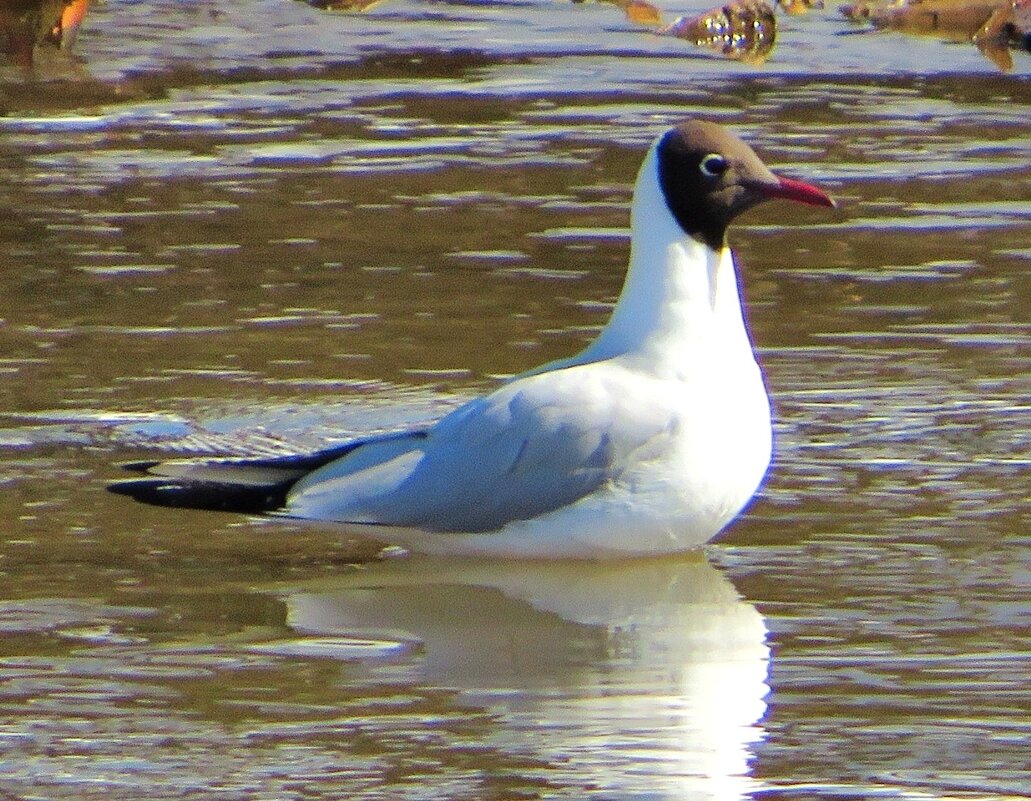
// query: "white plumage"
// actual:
[[649, 441]]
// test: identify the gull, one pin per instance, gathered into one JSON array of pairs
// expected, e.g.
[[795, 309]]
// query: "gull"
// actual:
[[649, 441]]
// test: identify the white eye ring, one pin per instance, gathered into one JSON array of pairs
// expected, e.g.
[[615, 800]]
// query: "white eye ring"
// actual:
[[713, 165]]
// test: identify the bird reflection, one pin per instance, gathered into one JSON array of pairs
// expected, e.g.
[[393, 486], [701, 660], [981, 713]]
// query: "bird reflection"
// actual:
[[649, 673]]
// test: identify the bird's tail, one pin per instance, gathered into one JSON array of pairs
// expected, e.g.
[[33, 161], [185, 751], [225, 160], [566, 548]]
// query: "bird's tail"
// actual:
[[247, 485]]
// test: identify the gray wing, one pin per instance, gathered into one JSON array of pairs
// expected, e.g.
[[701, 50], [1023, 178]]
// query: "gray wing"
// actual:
[[531, 447]]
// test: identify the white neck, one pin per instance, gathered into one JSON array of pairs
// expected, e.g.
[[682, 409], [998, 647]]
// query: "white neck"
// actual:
[[680, 302]]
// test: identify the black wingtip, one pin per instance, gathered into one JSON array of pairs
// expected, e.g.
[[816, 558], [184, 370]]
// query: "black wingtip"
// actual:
[[206, 495], [231, 484]]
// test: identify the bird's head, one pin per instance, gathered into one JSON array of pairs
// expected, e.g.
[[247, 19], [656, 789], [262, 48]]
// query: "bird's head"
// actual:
[[708, 176]]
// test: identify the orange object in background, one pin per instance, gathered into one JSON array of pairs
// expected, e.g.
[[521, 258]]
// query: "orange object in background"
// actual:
[[28, 24], [71, 19]]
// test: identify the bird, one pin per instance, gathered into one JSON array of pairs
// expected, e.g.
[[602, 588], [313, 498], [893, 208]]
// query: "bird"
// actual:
[[650, 441]]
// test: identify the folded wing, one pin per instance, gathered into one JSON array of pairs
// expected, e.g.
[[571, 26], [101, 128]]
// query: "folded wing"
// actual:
[[533, 446]]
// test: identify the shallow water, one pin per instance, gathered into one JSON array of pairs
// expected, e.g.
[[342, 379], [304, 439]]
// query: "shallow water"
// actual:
[[239, 225]]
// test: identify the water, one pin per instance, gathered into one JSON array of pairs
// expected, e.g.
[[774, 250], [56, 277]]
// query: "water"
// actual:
[[239, 225]]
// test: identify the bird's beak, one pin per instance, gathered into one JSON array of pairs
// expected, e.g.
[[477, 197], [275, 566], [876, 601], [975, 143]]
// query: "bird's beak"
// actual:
[[790, 189]]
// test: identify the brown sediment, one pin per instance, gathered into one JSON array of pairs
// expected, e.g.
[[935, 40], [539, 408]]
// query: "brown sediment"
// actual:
[[745, 30], [1008, 27], [994, 26], [946, 18]]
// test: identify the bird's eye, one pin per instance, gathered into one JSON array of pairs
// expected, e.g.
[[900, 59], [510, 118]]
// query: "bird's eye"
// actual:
[[713, 165]]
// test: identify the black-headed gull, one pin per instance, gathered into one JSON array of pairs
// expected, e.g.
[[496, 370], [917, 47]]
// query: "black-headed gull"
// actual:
[[650, 440]]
